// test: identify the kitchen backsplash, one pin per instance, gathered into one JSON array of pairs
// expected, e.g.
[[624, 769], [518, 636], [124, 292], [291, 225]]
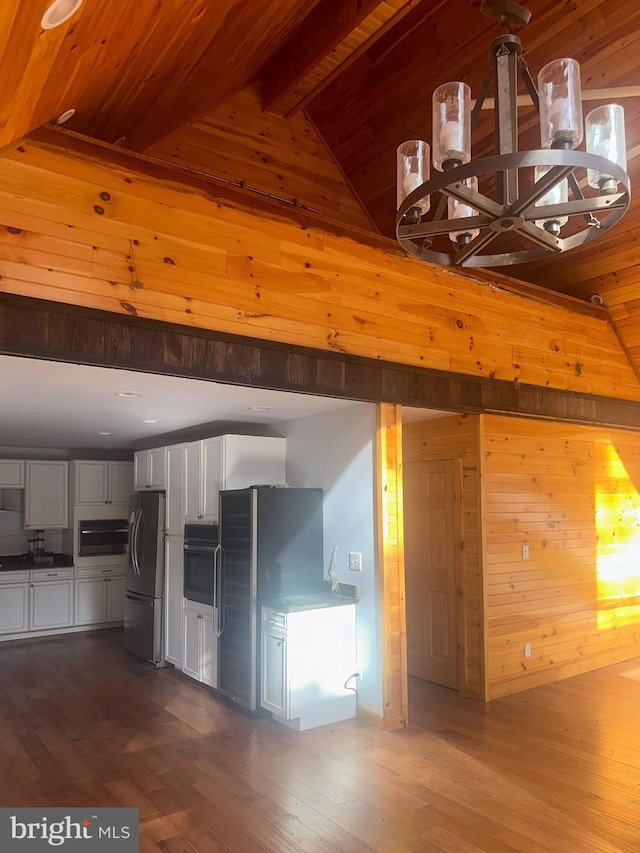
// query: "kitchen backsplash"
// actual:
[[13, 537], [17, 544]]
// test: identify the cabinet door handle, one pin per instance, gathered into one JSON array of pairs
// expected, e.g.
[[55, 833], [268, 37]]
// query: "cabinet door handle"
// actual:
[[280, 642]]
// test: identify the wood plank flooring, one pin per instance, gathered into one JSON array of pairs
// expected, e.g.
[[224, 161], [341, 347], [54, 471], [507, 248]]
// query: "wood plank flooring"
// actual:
[[552, 769]]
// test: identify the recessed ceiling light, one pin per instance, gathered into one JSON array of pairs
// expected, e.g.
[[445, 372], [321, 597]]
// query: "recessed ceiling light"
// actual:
[[59, 12], [260, 408], [66, 115], [127, 394], [105, 433], [150, 421]]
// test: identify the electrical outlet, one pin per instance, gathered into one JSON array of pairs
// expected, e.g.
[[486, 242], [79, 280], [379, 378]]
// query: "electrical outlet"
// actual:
[[527, 650], [355, 561], [525, 552]]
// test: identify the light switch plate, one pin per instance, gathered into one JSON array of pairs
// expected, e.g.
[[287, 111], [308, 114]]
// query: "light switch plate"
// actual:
[[355, 561]]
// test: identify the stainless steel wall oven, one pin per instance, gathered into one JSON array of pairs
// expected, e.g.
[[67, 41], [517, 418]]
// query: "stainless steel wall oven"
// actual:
[[201, 555], [97, 537]]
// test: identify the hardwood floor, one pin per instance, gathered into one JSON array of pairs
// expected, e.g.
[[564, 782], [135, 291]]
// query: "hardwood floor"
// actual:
[[553, 769]]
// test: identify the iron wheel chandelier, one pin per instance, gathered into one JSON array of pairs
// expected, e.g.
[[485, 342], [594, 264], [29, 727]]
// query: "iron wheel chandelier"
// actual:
[[513, 225]]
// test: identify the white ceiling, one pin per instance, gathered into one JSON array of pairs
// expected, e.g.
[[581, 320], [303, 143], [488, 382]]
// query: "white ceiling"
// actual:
[[47, 404]]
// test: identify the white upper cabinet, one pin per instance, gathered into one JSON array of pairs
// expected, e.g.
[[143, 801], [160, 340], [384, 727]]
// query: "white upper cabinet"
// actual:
[[192, 481], [175, 500], [46, 494], [212, 474], [120, 482], [11, 474], [150, 469], [201, 479], [97, 482], [228, 462]]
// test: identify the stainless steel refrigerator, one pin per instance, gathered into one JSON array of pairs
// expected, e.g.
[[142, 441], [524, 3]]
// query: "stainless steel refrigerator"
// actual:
[[271, 546], [143, 604]]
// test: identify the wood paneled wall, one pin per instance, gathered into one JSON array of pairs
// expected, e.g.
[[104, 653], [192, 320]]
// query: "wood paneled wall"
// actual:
[[280, 157], [572, 495], [102, 235], [458, 438]]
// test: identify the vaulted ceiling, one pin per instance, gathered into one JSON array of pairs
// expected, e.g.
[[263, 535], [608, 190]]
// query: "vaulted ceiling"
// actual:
[[307, 100]]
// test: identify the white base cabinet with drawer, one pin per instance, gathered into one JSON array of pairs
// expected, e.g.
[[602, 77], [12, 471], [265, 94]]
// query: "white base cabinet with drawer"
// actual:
[[51, 599], [200, 644], [46, 601], [306, 658], [99, 594]]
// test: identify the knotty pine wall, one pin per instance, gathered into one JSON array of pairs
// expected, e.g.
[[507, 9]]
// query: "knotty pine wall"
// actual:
[[285, 158], [86, 230], [572, 494], [458, 438]]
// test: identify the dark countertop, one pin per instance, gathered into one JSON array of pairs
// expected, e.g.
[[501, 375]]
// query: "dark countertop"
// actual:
[[311, 601], [11, 562]]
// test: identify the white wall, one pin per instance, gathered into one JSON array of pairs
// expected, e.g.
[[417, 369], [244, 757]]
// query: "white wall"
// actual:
[[336, 451]]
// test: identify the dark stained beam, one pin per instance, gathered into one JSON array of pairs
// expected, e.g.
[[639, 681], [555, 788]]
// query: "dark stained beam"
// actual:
[[54, 331], [308, 60]]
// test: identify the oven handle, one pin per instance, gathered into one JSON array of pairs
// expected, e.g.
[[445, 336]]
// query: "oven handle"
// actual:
[[201, 549], [103, 530]]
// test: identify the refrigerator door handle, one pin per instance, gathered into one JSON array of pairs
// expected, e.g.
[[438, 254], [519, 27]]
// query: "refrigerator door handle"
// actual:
[[134, 544], [219, 592]]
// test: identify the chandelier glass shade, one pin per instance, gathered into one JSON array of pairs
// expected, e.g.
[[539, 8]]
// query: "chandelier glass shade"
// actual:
[[513, 206]]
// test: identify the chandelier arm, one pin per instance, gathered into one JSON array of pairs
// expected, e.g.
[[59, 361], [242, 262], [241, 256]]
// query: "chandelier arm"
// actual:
[[440, 209], [471, 249], [574, 186], [443, 226], [539, 189], [579, 207], [482, 94], [461, 192], [525, 74], [540, 237]]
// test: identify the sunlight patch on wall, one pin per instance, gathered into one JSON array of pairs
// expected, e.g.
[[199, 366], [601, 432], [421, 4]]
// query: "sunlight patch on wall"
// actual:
[[617, 518]]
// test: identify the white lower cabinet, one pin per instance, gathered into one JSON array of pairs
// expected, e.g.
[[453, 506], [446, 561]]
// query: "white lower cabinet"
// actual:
[[173, 591], [99, 594], [51, 599], [14, 602], [307, 657], [200, 644]]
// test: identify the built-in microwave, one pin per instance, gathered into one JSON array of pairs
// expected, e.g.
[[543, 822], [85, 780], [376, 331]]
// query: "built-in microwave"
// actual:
[[201, 556], [99, 537]]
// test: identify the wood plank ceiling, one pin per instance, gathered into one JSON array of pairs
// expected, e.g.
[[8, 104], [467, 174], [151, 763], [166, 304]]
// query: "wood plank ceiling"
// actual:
[[352, 78]]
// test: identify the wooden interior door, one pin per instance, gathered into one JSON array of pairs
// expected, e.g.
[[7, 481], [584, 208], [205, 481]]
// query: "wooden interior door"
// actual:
[[429, 539]]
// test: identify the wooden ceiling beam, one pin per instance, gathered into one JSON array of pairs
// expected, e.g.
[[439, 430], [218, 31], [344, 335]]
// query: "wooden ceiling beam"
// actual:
[[333, 36]]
